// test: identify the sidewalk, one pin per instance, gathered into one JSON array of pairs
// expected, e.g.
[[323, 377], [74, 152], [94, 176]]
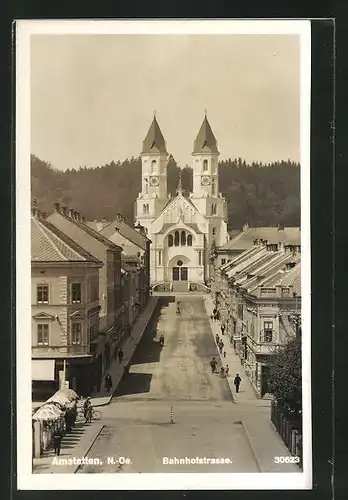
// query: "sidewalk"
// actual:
[[262, 436], [75, 445], [246, 392], [116, 369]]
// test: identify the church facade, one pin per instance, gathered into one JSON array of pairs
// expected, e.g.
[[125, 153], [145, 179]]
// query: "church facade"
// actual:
[[186, 228]]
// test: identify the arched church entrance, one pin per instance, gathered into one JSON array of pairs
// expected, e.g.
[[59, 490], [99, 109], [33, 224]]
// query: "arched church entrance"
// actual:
[[178, 267]]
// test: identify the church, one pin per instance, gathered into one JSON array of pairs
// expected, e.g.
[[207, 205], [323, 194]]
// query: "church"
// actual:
[[185, 229]]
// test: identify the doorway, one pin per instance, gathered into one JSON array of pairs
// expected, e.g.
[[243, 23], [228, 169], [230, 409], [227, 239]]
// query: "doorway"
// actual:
[[180, 274]]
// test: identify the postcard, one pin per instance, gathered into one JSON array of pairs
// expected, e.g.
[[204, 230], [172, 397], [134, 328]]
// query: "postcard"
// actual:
[[163, 254]]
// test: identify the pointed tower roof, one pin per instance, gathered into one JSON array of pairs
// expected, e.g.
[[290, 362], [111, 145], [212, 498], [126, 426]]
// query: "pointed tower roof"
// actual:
[[205, 141], [154, 141]]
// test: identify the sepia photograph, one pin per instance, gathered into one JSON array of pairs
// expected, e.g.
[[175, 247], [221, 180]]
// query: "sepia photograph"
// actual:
[[163, 254]]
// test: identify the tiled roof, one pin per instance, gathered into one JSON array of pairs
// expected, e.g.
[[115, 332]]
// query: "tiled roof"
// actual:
[[205, 141], [126, 231], [245, 239], [82, 225], [49, 244], [154, 141]]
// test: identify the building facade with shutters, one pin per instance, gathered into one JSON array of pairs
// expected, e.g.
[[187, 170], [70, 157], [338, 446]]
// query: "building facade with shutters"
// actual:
[[65, 310], [184, 229], [258, 295]]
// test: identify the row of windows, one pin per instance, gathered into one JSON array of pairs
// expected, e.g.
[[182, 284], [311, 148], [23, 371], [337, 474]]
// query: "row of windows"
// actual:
[[43, 334], [180, 239], [42, 293]]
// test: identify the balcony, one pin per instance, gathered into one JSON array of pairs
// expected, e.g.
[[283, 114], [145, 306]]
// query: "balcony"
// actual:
[[61, 351]]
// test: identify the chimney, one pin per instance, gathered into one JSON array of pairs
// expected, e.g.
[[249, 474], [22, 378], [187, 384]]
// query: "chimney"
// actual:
[[71, 213], [43, 215], [245, 227], [63, 210], [103, 220], [281, 245], [33, 211], [280, 227], [77, 215], [83, 219], [140, 229], [56, 207]]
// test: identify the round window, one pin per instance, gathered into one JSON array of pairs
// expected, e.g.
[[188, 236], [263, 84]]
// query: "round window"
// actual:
[[179, 263]]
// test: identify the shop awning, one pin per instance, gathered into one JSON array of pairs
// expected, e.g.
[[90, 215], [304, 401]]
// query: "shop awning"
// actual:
[[42, 370]]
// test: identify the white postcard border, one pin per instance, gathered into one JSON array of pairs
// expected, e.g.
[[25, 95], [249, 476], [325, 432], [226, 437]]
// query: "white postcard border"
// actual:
[[172, 481]]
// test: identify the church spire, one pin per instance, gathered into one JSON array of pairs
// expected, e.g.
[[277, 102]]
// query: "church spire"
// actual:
[[179, 188], [205, 141], [154, 141]]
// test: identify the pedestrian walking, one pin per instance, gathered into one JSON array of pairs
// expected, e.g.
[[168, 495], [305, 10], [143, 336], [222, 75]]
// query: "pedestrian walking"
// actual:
[[227, 370], [217, 338], [237, 381], [221, 346], [69, 420], [223, 328], [212, 316], [222, 372], [120, 355], [108, 382], [57, 441], [213, 364]]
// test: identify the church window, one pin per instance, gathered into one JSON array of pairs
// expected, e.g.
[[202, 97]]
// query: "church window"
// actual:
[[183, 238], [176, 238], [146, 185], [170, 240], [189, 240], [205, 165], [199, 258], [146, 209], [160, 258], [213, 209], [153, 166], [214, 231]]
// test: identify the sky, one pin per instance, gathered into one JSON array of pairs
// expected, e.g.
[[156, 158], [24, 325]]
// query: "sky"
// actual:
[[93, 96]]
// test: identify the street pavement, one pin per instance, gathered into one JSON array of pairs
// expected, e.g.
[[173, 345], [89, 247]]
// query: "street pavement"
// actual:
[[172, 406]]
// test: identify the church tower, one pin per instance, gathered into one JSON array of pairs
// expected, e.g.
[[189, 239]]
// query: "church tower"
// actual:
[[154, 161], [205, 194]]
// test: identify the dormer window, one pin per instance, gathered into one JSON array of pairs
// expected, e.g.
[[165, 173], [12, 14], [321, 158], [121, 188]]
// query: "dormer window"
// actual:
[[205, 165]]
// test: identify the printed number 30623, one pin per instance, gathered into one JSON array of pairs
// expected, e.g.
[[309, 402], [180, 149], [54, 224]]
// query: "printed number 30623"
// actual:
[[287, 460]]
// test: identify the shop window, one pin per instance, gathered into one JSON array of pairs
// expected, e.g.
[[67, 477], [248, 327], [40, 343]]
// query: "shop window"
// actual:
[[42, 294], [42, 334]]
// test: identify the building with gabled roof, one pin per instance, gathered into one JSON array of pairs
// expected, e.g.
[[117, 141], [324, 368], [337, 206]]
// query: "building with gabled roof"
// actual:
[[135, 262], [65, 310], [113, 316], [258, 295], [183, 230]]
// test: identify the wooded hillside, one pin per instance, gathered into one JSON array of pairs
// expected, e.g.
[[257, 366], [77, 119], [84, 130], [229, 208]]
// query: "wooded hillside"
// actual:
[[262, 195]]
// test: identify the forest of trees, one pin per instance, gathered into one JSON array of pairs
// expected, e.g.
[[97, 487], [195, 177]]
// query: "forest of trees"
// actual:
[[259, 194]]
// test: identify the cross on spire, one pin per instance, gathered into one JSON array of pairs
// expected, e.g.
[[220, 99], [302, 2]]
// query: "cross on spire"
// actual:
[[179, 189]]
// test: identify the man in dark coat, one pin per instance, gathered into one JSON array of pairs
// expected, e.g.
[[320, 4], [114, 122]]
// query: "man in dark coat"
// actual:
[[120, 355], [237, 381], [213, 364], [108, 382], [57, 441]]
